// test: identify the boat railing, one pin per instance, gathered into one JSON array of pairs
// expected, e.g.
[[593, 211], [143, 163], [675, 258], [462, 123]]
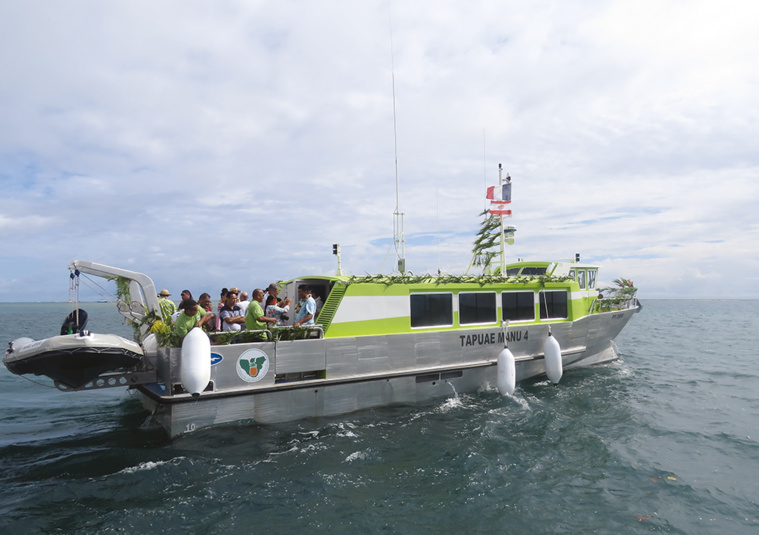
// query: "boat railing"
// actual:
[[611, 304], [305, 332], [276, 334]]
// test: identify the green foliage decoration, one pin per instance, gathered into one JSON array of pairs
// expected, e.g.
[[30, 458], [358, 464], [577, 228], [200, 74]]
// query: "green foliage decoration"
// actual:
[[481, 280], [275, 334], [123, 289], [487, 237], [619, 297]]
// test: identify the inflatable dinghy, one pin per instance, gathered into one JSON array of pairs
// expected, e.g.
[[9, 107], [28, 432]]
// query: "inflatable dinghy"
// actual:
[[72, 359]]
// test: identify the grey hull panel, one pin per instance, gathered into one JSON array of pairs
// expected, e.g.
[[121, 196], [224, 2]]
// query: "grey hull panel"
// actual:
[[363, 373]]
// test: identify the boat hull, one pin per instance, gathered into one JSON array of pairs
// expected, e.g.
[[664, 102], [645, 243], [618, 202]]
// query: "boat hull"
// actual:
[[328, 377]]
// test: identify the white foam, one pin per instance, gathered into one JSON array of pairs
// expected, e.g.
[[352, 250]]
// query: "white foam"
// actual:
[[149, 465]]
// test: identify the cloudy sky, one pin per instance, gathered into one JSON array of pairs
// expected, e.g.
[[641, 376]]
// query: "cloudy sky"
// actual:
[[231, 143]]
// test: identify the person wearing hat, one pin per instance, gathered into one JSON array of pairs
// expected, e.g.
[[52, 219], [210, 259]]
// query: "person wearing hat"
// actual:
[[167, 307]]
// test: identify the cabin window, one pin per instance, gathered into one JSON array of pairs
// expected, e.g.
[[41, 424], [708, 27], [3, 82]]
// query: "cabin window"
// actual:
[[534, 271], [518, 306], [553, 304], [581, 278], [572, 274], [429, 310], [512, 272], [592, 279], [477, 307]]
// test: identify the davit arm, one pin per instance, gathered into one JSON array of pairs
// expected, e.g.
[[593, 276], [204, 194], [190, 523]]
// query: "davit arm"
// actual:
[[147, 294]]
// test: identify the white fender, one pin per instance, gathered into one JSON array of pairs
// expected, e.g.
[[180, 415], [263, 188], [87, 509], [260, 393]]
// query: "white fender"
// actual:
[[150, 344], [507, 372], [195, 364], [552, 353]]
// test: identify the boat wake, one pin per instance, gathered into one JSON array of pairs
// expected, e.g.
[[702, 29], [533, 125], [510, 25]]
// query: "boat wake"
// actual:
[[148, 465], [451, 403]]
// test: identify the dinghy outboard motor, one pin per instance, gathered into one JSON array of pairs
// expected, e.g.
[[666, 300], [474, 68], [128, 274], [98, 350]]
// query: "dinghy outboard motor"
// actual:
[[70, 325]]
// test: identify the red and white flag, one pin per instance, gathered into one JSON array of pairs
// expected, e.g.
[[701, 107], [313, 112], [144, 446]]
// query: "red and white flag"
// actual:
[[500, 198], [499, 208], [500, 194]]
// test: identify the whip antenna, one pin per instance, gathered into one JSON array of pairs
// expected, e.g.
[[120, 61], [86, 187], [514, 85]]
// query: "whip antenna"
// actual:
[[398, 236]]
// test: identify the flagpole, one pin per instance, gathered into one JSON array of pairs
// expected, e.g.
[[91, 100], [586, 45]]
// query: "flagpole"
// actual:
[[503, 239]]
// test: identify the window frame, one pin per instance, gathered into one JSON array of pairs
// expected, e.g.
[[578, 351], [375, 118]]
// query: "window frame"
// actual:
[[414, 295], [544, 305], [495, 308], [592, 278], [533, 271], [518, 307]]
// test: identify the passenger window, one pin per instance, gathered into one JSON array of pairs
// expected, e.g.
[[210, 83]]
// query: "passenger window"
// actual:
[[581, 278], [518, 306], [431, 309], [477, 307], [553, 304]]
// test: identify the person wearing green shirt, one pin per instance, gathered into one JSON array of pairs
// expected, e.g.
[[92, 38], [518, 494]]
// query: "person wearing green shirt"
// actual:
[[255, 319], [192, 316]]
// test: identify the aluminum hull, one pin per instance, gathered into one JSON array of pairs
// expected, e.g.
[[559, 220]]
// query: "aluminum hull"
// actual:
[[327, 377]]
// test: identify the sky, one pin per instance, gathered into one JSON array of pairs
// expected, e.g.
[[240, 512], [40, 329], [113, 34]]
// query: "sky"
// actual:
[[231, 143]]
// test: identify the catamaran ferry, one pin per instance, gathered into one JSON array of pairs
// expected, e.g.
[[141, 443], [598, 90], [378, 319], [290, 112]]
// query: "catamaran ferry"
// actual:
[[379, 340]]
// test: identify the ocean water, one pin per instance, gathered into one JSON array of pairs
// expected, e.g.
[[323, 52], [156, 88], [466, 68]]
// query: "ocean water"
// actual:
[[664, 441]]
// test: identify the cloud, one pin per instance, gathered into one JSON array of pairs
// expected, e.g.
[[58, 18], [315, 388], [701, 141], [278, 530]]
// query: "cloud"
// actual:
[[232, 143]]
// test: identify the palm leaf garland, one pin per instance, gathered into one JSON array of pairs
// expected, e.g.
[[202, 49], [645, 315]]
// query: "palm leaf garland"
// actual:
[[427, 278], [487, 238], [624, 289], [617, 297], [123, 289]]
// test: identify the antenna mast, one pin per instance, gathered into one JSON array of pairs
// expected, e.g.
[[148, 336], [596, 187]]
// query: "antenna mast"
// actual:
[[399, 239], [503, 238]]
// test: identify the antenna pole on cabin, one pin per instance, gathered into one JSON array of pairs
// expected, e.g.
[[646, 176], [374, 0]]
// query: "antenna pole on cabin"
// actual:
[[503, 238], [400, 241], [336, 252]]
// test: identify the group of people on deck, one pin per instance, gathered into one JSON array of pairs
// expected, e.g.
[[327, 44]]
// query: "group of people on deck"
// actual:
[[234, 312]]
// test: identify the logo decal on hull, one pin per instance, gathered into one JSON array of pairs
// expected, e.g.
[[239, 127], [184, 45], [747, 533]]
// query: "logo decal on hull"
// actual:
[[252, 365], [215, 359]]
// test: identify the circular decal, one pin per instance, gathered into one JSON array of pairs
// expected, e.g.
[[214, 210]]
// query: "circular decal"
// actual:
[[252, 365]]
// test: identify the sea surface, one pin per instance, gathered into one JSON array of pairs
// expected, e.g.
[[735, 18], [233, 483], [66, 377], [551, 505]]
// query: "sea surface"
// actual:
[[666, 440]]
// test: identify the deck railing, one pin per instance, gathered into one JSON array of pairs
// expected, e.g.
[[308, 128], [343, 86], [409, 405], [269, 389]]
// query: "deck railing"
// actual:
[[276, 334], [611, 304]]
